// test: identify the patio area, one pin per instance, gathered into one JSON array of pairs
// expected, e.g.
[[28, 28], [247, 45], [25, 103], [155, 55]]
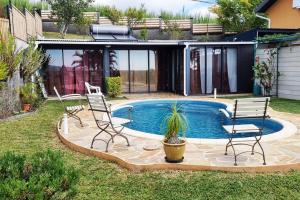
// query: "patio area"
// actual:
[[147, 153]]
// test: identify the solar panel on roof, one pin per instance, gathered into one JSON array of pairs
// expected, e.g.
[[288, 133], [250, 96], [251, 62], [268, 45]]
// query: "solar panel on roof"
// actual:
[[110, 32]]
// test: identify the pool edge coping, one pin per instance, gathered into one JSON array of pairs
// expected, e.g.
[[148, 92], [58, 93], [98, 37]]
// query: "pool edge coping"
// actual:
[[288, 130]]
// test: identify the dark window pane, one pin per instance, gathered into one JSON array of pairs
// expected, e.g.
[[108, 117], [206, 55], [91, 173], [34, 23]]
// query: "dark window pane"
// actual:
[[153, 70], [93, 62]]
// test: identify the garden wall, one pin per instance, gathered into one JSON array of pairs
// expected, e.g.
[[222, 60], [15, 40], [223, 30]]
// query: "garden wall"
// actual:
[[289, 69]]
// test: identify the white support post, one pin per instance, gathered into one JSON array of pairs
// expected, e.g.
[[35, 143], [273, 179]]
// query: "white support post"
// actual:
[[215, 93], [66, 127]]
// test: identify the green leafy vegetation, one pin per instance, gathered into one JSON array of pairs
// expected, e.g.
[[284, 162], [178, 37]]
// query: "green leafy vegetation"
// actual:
[[68, 12], [238, 15], [21, 5], [100, 179], [265, 71], [113, 86], [176, 123], [42, 176]]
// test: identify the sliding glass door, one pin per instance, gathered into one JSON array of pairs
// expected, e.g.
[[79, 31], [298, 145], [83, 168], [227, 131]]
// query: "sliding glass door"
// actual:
[[213, 67]]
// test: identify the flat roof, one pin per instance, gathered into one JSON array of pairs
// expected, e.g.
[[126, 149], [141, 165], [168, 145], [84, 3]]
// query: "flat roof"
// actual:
[[138, 42]]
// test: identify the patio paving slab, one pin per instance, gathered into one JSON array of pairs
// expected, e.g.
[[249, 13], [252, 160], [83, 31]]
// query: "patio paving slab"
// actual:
[[281, 155]]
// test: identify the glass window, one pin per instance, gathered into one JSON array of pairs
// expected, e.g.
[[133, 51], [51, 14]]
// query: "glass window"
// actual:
[[197, 71], [153, 71], [119, 67], [72, 72], [53, 71], [139, 71], [93, 67]]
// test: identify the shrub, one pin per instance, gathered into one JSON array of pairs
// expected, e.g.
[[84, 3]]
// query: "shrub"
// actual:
[[113, 86], [28, 93], [42, 176]]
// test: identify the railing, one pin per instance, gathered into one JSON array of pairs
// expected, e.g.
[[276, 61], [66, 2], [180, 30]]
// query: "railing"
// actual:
[[4, 27], [207, 28], [149, 23]]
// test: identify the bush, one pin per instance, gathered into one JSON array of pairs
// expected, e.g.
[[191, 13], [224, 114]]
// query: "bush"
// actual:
[[42, 176], [113, 86]]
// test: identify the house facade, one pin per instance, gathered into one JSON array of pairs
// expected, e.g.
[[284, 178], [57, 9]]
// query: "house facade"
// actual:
[[282, 13], [182, 67]]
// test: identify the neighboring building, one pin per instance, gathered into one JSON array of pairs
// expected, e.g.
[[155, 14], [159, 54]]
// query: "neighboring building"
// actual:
[[282, 13], [182, 67]]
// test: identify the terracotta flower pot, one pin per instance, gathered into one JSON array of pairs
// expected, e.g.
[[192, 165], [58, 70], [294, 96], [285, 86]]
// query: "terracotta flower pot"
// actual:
[[174, 152], [26, 107]]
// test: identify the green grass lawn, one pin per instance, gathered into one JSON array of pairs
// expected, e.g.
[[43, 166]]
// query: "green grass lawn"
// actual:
[[282, 105], [100, 179]]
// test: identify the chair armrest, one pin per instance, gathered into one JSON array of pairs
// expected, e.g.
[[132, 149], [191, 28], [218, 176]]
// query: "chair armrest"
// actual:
[[225, 112]]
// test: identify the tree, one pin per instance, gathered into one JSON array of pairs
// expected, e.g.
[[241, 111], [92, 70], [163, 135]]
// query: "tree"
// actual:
[[238, 15], [171, 28], [68, 12], [135, 16]]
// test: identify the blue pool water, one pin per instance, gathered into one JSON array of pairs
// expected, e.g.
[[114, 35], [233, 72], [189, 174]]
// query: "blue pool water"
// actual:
[[204, 118]]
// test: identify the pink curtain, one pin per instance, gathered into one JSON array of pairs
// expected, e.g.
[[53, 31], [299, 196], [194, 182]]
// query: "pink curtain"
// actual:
[[79, 80], [68, 79]]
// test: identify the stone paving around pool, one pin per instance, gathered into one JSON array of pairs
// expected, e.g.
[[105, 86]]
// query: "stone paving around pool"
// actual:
[[281, 154]]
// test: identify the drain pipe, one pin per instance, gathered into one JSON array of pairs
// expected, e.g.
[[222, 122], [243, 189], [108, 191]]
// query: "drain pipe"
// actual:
[[264, 18], [185, 69]]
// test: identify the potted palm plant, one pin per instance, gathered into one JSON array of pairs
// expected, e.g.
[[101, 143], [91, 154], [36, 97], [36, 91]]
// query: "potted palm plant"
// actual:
[[176, 125], [28, 96]]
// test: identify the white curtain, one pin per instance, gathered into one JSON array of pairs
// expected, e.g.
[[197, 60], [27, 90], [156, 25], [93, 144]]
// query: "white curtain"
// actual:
[[209, 87], [202, 69], [232, 69]]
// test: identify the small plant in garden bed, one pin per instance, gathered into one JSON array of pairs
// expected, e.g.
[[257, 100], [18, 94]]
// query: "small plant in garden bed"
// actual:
[[113, 86], [42, 176], [28, 96]]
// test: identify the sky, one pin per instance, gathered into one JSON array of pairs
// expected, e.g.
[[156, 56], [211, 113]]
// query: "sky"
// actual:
[[176, 6]]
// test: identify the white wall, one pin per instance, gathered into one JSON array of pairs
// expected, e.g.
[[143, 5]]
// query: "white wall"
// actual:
[[289, 68]]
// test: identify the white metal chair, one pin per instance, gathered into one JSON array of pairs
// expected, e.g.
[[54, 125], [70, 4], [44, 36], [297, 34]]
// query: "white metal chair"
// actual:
[[70, 110], [248, 108], [92, 89], [104, 120]]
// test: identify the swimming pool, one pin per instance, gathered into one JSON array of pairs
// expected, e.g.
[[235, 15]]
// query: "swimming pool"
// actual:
[[204, 118]]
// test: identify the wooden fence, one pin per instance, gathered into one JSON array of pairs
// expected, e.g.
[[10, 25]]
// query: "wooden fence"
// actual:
[[4, 27], [149, 23], [24, 25]]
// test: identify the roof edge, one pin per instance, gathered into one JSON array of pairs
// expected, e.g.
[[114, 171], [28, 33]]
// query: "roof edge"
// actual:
[[264, 6]]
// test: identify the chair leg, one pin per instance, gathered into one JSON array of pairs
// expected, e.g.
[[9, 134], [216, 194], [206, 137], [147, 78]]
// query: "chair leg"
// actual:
[[234, 153], [227, 145], [94, 138], [263, 153]]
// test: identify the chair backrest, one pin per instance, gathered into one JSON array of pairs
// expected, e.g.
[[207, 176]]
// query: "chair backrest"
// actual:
[[90, 88], [57, 94], [98, 104], [250, 108]]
